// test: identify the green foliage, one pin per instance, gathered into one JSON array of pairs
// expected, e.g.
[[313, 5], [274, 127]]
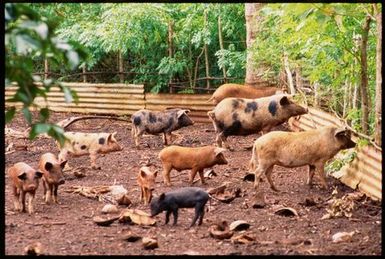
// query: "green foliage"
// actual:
[[345, 157], [29, 35]]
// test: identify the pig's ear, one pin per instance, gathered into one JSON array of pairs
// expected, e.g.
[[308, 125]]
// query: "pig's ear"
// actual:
[[38, 174], [113, 134], [143, 173], [22, 176], [162, 196], [284, 101], [340, 132], [187, 111], [48, 166], [63, 164], [180, 113], [155, 173], [218, 150]]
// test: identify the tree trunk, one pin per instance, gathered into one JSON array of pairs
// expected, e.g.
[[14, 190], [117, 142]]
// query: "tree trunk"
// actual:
[[120, 61], [252, 24], [364, 76], [298, 79], [378, 109], [206, 53], [84, 74], [170, 47], [346, 98], [288, 73], [316, 95], [221, 45], [46, 69]]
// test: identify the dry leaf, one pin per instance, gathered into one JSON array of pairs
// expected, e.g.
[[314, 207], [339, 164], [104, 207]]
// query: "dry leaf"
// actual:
[[342, 236], [137, 217]]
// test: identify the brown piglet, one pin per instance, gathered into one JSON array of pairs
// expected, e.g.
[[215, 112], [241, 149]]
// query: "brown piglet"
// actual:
[[53, 176], [24, 179], [194, 158], [146, 181]]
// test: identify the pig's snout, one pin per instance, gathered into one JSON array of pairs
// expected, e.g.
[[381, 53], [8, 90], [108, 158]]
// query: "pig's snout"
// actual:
[[62, 181], [30, 187]]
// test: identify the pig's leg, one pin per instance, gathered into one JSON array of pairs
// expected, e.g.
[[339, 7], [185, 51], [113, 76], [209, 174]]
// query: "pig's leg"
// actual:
[[199, 210], [192, 175], [166, 173], [141, 194], [258, 172], [31, 197], [202, 176], [168, 212], [45, 191], [16, 198], [55, 188], [218, 139], [202, 213], [138, 134], [310, 175], [175, 213], [146, 196], [49, 193], [22, 193], [93, 155], [268, 176], [321, 173]]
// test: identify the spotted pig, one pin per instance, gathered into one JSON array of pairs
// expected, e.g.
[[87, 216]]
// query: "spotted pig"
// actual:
[[156, 122], [241, 116]]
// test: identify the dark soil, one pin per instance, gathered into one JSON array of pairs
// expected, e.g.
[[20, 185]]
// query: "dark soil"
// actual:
[[272, 234]]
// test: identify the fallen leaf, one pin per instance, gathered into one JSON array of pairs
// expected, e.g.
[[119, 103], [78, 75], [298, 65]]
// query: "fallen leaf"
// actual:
[[286, 211], [242, 239], [239, 225], [34, 249], [110, 208], [149, 243], [101, 221], [220, 231], [342, 236], [131, 237], [137, 217]]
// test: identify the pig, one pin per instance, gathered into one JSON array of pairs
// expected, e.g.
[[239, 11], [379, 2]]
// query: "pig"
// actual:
[[53, 176], [241, 116], [293, 149], [194, 158], [242, 91], [155, 122], [146, 181], [186, 197], [79, 143], [24, 179]]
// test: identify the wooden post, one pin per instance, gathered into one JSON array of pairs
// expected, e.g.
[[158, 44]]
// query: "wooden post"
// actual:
[[288, 73], [316, 94], [84, 74], [121, 70], [378, 105], [170, 48], [206, 53], [221, 45], [46, 69]]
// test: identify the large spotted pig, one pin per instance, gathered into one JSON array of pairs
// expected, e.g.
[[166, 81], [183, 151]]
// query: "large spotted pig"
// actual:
[[242, 91], [241, 117], [155, 122], [24, 179], [53, 176], [79, 144], [293, 149]]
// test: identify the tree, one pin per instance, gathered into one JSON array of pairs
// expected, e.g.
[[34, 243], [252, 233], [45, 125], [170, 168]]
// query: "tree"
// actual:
[[378, 100], [28, 35], [252, 24]]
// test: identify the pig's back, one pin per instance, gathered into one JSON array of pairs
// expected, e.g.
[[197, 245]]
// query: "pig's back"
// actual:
[[188, 196]]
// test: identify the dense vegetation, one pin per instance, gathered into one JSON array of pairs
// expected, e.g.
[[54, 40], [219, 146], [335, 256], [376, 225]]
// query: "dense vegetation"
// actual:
[[331, 47]]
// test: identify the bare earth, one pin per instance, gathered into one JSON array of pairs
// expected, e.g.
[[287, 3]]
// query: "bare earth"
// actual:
[[272, 234]]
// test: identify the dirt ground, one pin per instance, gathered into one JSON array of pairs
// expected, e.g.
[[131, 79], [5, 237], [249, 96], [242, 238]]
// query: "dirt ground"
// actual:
[[270, 234]]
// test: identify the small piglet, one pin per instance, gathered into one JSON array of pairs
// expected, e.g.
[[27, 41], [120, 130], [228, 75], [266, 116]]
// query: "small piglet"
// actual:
[[186, 197], [156, 122], [292, 149], [146, 181], [194, 158], [52, 175], [79, 143], [24, 179]]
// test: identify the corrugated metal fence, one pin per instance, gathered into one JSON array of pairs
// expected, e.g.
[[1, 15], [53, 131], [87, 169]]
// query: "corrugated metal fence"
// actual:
[[364, 172], [118, 99]]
